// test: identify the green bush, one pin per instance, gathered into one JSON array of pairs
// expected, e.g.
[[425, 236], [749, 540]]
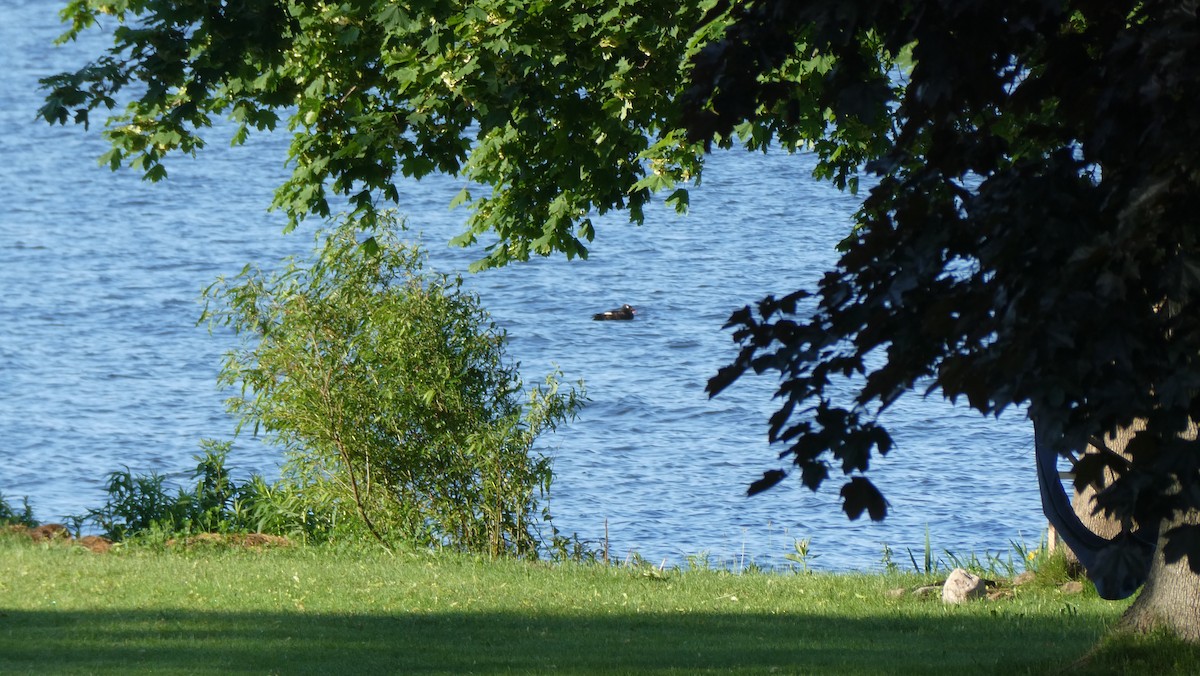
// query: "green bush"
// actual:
[[294, 510], [136, 505], [390, 391], [142, 506]]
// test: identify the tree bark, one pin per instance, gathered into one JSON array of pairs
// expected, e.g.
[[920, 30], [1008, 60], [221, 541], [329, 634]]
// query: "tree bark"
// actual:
[[1170, 599], [1084, 500]]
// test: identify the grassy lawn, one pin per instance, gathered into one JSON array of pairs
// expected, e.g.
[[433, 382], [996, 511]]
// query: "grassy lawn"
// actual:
[[321, 610]]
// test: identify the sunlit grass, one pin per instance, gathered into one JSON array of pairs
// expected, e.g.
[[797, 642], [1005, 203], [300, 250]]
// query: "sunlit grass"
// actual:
[[323, 610]]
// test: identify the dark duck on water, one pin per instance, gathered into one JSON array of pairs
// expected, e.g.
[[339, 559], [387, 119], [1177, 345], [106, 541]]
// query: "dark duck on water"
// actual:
[[624, 312]]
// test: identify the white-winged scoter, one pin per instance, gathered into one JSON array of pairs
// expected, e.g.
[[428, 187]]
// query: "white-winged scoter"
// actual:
[[624, 312]]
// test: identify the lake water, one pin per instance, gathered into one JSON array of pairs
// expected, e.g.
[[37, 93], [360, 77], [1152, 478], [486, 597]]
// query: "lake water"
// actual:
[[102, 365]]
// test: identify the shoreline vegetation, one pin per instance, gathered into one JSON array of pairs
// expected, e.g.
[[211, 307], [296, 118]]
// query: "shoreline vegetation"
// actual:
[[232, 603]]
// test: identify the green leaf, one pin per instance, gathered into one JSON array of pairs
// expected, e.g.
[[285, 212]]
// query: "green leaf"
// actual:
[[680, 199], [462, 197], [155, 173], [370, 247]]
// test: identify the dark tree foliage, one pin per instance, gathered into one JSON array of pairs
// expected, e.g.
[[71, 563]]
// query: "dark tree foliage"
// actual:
[[1032, 238]]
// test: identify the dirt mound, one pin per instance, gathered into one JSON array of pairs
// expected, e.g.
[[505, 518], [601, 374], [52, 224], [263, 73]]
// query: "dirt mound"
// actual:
[[50, 531], [56, 532], [95, 543], [247, 540]]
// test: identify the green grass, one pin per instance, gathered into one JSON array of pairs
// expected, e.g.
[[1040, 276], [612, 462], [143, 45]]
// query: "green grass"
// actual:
[[323, 610]]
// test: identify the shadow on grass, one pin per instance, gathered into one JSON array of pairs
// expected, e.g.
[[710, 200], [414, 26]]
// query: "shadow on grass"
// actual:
[[179, 641]]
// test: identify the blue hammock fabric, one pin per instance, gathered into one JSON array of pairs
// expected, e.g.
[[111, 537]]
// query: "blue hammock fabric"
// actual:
[[1117, 566]]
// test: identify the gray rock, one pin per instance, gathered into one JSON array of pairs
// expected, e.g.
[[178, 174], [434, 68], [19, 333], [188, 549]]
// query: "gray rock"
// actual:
[[962, 586], [1024, 578]]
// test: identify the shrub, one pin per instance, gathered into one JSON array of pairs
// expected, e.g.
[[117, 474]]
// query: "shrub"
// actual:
[[136, 504], [389, 390], [140, 504]]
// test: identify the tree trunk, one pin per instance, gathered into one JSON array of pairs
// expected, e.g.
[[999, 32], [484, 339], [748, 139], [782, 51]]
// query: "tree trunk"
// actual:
[[1084, 501], [1170, 599]]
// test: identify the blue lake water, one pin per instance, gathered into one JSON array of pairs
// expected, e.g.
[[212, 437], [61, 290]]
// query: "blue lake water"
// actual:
[[102, 365]]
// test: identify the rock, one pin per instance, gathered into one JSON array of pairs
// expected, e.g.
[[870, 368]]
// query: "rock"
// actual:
[[1072, 587], [896, 593], [962, 586], [1024, 578]]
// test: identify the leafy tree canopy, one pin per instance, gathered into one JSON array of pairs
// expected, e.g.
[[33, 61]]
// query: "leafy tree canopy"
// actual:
[[561, 109], [1028, 239]]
